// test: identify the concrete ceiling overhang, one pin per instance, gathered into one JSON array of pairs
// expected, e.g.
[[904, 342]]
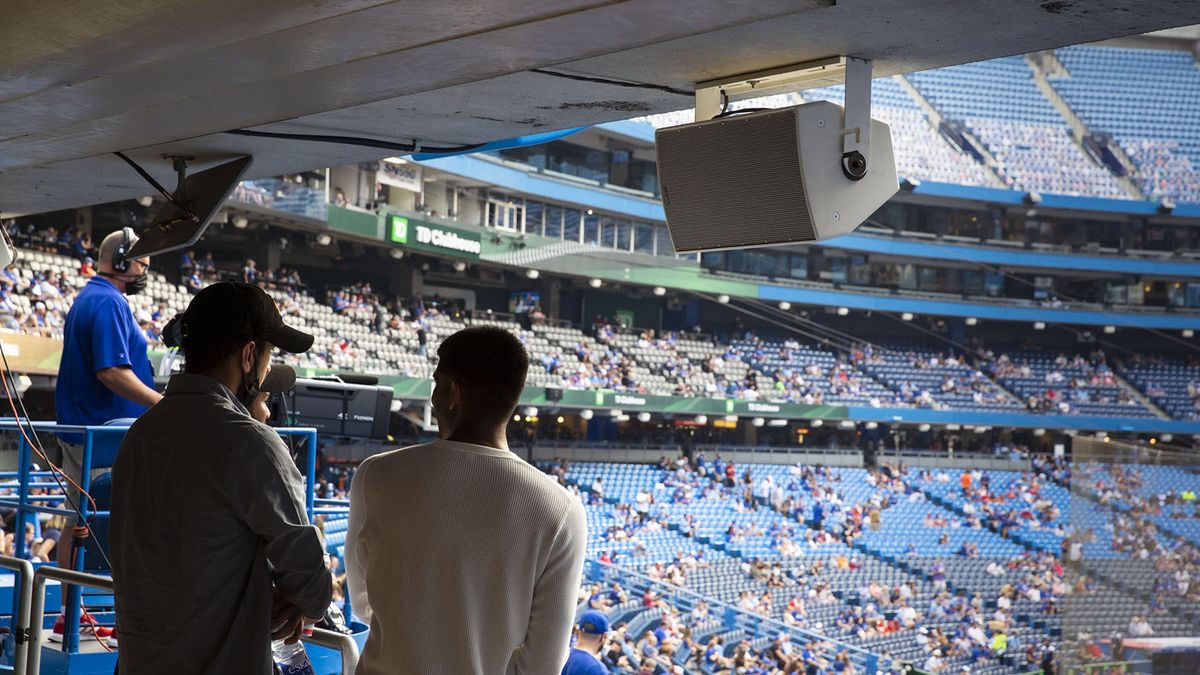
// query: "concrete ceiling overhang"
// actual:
[[80, 79]]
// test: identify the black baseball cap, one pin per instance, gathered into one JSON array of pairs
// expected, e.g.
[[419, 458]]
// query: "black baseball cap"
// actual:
[[281, 378], [231, 307]]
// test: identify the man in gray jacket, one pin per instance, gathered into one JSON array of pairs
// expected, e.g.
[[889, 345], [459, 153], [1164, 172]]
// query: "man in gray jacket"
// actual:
[[211, 546]]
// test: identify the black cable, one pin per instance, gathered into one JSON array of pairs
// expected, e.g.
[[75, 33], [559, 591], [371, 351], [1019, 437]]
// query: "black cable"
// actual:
[[354, 140], [740, 111], [615, 83], [9, 379], [188, 214]]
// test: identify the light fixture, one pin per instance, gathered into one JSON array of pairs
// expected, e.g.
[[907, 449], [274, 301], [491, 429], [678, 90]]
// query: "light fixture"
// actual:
[[785, 305], [1039, 432], [731, 418], [817, 423], [531, 411], [953, 427], [586, 414], [146, 200], [595, 283], [907, 316], [1153, 441], [532, 274], [643, 417], [396, 253], [759, 421], [660, 291], [323, 239], [1167, 438], [1039, 325], [846, 424], [723, 299], [1109, 330], [561, 419], [621, 418], [1189, 333], [460, 266], [777, 423], [923, 428], [843, 311], [241, 222], [1107, 439], [516, 418], [971, 321], [872, 426], [591, 212], [701, 419], [616, 413], [397, 405]]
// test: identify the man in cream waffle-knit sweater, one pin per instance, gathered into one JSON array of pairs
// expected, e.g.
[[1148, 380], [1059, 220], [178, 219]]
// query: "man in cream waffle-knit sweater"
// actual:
[[463, 558]]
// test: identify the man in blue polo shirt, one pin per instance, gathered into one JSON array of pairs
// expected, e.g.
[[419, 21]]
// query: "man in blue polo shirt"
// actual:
[[584, 658], [105, 373]]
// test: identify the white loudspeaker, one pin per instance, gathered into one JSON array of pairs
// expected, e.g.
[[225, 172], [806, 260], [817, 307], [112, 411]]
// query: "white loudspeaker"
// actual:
[[768, 178]]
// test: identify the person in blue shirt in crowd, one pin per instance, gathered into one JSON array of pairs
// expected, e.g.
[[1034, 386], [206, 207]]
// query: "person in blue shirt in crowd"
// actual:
[[105, 373], [584, 658]]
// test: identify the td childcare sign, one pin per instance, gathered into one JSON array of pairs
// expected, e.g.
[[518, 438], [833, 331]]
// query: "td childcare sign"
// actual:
[[433, 238]]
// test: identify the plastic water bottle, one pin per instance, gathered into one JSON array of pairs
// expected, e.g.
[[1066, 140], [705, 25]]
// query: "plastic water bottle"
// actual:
[[291, 659]]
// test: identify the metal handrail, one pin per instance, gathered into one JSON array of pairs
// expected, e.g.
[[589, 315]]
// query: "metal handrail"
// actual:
[[24, 596], [38, 609], [345, 645]]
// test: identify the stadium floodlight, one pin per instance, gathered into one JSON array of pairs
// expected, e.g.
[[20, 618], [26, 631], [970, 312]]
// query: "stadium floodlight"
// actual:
[[701, 419], [1039, 325], [759, 421], [1189, 333], [532, 274], [595, 282], [723, 299], [971, 321], [907, 316], [796, 174], [843, 311], [1109, 330], [586, 414], [660, 291], [785, 305], [643, 416], [816, 424]]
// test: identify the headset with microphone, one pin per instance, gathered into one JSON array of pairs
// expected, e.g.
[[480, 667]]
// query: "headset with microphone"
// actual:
[[120, 258]]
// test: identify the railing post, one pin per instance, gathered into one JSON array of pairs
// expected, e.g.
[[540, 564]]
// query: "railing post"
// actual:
[[22, 598], [345, 645]]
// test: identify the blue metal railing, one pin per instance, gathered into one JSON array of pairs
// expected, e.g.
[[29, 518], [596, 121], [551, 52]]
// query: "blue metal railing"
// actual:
[[100, 444]]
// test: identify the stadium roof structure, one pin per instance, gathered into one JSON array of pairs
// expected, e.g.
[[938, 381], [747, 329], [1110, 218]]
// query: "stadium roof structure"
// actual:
[[80, 80]]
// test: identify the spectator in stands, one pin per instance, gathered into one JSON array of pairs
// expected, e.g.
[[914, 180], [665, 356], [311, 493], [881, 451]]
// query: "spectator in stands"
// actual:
[[517, 543], [105, 373], [250, 272], [584, 658], [193, 584]]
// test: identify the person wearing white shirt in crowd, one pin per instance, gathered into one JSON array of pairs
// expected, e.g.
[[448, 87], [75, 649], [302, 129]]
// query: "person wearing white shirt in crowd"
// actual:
[[1140, 627], [935, 663], [995, 569]]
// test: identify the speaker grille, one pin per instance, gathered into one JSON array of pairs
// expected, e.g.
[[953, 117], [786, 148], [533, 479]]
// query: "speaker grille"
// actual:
[[734, 182]]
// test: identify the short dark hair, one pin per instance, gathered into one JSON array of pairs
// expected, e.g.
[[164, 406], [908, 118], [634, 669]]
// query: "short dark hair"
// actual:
[[207, 354], [489, 363]]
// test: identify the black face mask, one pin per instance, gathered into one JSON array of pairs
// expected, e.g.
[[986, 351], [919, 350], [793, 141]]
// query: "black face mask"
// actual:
[[248, 390], [137, 284]]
